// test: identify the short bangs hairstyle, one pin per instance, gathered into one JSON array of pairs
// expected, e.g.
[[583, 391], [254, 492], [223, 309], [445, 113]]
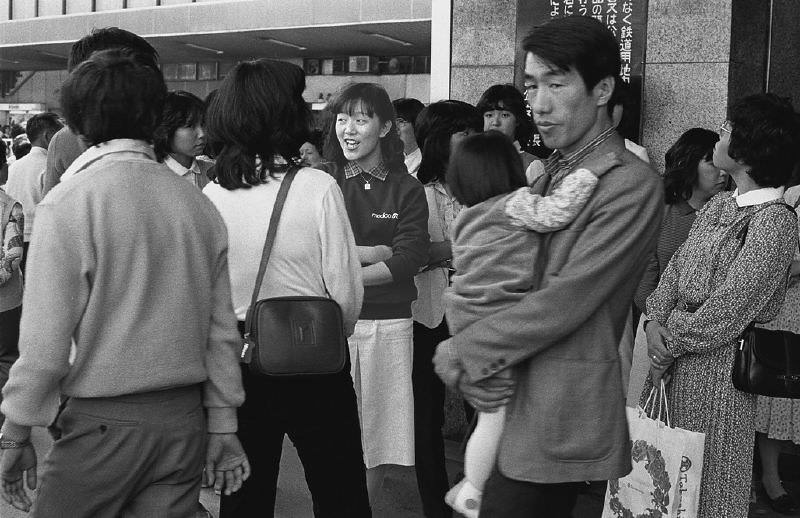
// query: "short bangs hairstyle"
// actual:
[[435, 125], [408, 109], [372, 100], [485, 165], [682, 159], [113, 95], [766, 137], [258, 112], [181, 110], [576, 43], [507, 97]]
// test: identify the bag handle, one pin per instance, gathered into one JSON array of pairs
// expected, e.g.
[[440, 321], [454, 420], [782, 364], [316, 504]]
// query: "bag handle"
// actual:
[[286, 182]]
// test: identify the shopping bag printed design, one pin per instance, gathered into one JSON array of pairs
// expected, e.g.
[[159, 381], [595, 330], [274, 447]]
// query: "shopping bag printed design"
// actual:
[[665, 479]]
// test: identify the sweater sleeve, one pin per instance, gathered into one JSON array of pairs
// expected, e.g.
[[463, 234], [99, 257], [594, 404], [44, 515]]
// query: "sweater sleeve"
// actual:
[[341, 269], [411, 240], [11, 254], [59, 273], [554, 212], [222, 390]]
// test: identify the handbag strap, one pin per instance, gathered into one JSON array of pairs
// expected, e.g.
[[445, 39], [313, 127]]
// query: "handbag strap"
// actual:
[[271, 231]]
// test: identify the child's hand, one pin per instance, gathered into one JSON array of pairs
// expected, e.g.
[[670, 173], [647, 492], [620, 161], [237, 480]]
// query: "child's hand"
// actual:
[[602, 164]]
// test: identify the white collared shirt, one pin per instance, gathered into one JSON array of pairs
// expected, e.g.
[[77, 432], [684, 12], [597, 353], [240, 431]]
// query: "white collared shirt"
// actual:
[[193, 173], [757, 196], [25, 184]]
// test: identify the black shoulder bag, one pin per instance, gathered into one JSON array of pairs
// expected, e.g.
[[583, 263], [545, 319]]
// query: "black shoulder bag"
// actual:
[[292, 336], [767, 362]]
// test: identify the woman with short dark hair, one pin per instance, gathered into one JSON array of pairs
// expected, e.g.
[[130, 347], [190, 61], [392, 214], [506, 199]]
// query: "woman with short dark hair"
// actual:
[[503, 109], [257, 122], [180, 138], [731, 271]]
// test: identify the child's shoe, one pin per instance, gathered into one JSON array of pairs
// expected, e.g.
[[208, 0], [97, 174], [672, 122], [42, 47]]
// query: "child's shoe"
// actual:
[[464, 498]]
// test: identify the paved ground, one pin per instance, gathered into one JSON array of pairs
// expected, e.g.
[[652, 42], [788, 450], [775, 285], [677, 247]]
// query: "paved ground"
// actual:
[[399, 498]]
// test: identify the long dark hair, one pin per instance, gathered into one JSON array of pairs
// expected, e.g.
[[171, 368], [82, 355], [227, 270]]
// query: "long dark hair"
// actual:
[[682, 159], [486, 165], [436, 123], [259, 111], [373, 100]]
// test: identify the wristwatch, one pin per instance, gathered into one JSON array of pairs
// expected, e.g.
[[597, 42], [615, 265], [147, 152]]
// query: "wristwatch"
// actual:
[[9, 444]]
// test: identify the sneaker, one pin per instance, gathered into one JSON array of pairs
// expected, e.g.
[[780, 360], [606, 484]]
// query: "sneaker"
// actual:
[[465, 498]]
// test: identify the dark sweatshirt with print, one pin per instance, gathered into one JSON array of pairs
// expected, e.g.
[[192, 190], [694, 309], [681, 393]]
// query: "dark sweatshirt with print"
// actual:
[[393, 212]]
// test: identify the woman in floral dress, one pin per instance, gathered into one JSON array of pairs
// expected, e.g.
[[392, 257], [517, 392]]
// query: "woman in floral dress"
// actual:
[[732, 270], [778, 419]]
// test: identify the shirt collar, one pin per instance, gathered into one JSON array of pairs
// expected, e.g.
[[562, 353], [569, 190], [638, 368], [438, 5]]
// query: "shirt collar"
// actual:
[[758, 196], [179, 169], [95, 153], [352, 169], [557, 163]]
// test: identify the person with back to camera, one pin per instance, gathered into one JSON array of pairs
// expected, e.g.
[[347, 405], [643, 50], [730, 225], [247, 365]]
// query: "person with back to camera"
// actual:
[[180, 138], [407, 110], [128, 315], [493, 247], [257, 122], [731, 271], [65, 146], [565, 414], [389, 217], [439, 128]]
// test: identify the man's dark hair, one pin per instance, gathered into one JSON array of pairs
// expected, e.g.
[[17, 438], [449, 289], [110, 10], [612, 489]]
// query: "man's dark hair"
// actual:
[[507, 97], [373, 99], [41, 123], [485, 165], [259, 111], [113, 95], [682, 159], [181, 110], [576, 43], [435, 125], [16, 130], [111, 38], [20, 147], [766, 137], [317, 139], [408, 109]]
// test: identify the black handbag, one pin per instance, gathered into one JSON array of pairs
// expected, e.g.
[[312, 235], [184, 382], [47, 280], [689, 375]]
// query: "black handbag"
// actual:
[[292, 336], [767, 362]]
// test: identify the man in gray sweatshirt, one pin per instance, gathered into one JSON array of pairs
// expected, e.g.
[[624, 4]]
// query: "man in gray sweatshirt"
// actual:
[[128, 314]]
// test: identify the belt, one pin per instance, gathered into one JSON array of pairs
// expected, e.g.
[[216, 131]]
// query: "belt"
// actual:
[[689, 307]]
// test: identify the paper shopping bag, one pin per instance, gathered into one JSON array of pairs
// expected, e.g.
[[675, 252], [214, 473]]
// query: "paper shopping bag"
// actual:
[[687, 498], [652, 488]]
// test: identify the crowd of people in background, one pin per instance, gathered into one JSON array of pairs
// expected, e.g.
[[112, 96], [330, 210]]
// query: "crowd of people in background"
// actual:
[[543, 283]]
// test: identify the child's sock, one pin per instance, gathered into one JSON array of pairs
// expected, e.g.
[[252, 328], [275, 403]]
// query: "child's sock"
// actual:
[[465, 498]]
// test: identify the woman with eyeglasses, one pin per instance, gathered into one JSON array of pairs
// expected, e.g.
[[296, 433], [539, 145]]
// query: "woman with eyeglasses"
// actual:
[[731, 271]]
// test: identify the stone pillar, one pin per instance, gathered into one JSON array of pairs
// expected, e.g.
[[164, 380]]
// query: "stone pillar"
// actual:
[[686, 70], [483, 39]]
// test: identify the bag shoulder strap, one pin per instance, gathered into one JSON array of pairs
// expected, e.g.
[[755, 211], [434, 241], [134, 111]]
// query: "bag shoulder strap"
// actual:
[[742, 234], [271, 231]]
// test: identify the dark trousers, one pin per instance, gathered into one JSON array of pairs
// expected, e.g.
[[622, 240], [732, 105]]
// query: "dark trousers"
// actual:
[[507, 498], [24, 260], [9, 345], [429, 394], [138, 455], [321, 418]]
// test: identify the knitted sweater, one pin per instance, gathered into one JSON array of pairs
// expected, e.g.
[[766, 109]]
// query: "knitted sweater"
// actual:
[[129, 262]]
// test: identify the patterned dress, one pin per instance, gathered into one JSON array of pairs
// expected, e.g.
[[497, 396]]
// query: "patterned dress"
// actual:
[[779, 418], [736, 284]]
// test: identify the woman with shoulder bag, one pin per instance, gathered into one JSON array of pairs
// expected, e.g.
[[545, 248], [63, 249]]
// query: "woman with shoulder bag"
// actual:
[[730, 272], [258, 120]]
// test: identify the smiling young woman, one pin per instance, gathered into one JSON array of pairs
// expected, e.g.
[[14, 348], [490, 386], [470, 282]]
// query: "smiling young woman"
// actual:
[[389, 216]]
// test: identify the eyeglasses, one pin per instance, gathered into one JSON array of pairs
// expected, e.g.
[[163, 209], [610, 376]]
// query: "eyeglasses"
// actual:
[[725, 127]]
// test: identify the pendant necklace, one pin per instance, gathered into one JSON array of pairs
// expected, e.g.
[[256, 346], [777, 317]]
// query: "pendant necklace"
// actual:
[[367, 186]]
